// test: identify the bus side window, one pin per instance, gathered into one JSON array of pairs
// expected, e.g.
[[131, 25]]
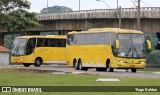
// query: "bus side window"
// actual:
[[62, 43], [54, 43], [41, 42], [48, 42]]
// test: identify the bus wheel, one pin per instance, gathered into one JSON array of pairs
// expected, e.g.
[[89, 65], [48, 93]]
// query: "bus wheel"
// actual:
[[134, 70], [38, 62], [26, 65], [80, 64], [75, 64], [109, 67], [81, 67], [101, 69]]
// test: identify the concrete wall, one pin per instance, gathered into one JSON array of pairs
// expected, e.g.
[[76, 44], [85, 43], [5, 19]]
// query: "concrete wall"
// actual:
[[147, 24], [4, 59]]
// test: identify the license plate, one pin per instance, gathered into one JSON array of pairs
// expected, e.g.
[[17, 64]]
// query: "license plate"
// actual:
[[132, 65]]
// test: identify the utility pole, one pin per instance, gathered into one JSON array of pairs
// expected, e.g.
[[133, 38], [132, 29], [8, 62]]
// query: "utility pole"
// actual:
[[138, 15], [117, 5], [119, 13], [47, 6], [79, 5]]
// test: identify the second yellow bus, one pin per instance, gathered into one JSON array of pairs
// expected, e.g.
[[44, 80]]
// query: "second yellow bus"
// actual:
[[107, 48]]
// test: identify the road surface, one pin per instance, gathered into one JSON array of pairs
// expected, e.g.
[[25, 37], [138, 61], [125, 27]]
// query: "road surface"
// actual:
[[63, 68]]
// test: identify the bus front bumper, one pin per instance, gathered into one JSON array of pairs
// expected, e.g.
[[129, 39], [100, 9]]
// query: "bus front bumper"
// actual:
[[19, 60], [128, 65]]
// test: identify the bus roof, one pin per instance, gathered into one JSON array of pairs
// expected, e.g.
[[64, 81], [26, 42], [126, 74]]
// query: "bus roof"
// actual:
[[47, 36], [115, 30]]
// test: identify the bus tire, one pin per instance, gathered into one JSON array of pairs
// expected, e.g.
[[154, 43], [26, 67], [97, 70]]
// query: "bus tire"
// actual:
[[134, 70], [81, 67], [85, 69], [38, 62], [74, 63], [26, 65], [80, 64], [101, 69], [76, 67], [109, 67]]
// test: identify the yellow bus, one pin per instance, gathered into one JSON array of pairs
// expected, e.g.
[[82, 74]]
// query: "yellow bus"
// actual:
[[28, 50], [107, 48]]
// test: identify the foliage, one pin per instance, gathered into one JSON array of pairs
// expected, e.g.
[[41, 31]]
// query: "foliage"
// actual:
[[158, 36], [8, 39], [15, 17], [154, 55], [152, 37], [55, 9]]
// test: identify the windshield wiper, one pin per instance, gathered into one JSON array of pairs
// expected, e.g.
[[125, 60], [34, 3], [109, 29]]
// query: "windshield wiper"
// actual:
[[128, 52], [137, 52]]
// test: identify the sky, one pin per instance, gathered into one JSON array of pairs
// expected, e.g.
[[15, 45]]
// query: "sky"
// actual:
[[38, 5]]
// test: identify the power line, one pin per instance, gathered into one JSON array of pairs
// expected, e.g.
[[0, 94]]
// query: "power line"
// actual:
[[142, 2], [95, 25], [105, 3], [133, 3], [146, 3]]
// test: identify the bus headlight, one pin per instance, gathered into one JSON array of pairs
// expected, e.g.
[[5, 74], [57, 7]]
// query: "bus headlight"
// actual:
[[142, 62], [22, 58], [120, 61]]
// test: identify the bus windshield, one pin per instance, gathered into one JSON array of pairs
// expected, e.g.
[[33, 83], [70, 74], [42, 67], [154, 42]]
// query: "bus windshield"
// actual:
[[19, 47], [131, 46]]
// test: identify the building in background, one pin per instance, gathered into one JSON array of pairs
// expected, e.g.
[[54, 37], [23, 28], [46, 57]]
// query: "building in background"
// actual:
[[4, 56]]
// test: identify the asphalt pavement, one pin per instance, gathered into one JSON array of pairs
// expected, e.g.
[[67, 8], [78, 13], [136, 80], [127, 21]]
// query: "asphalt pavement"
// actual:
[[66, 69]]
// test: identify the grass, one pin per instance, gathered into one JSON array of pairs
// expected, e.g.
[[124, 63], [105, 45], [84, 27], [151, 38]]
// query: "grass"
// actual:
[[30, 78]]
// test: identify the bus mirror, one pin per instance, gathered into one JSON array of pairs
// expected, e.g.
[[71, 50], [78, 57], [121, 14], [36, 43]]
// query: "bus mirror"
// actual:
[[117, 44], [148, 44]]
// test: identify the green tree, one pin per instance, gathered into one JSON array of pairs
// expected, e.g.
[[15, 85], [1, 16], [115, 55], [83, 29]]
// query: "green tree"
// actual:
[[15, 17], [56, 9]]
